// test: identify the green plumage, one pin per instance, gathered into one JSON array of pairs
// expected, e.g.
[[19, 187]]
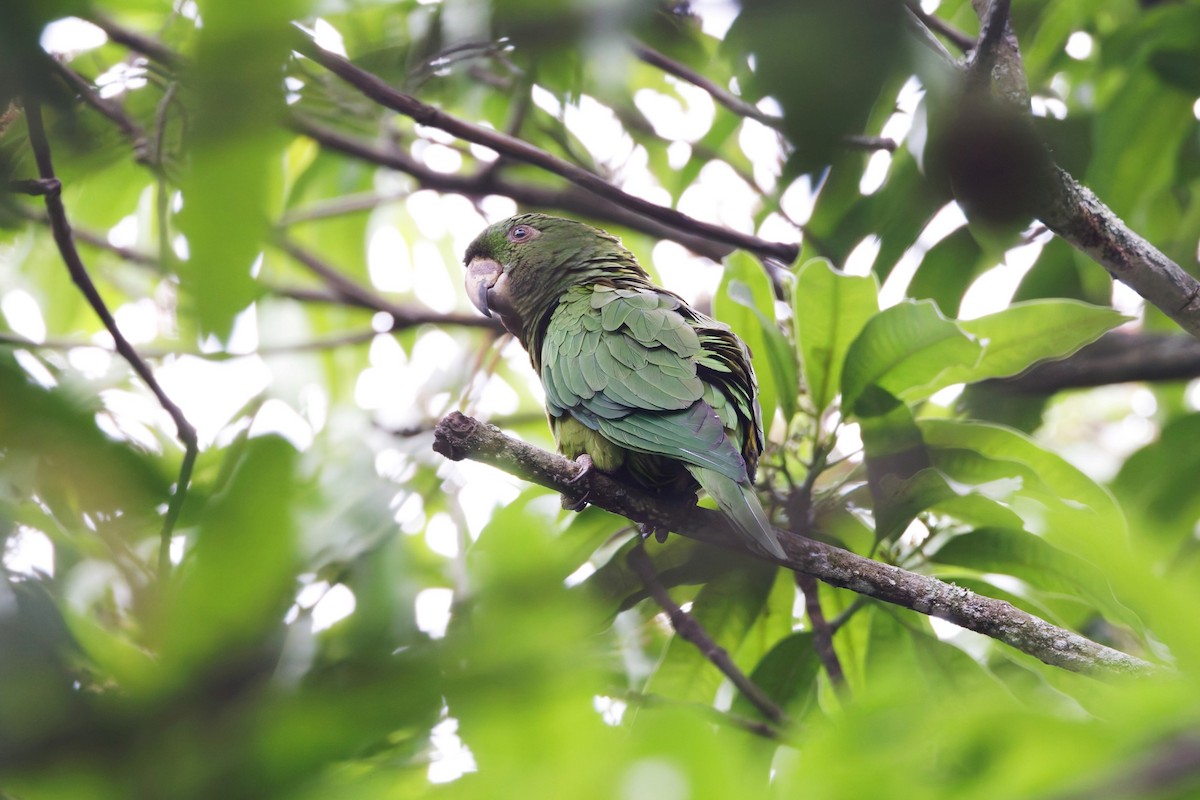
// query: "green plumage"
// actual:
[[652, 390]]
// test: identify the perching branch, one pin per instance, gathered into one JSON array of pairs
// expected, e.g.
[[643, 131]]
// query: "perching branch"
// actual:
[[691, 630], [63, 237], [458, 437], [381, 92]]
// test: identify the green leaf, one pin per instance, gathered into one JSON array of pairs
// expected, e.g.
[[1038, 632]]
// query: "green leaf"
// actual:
[[778, 353], [1036, 562], [1072, 508], [904, 350], [1026, 333], [1157, 484], [788, 674], [746, 302], [830, 309], [235, 178], [899, 470], [236, 582], [948, 269]]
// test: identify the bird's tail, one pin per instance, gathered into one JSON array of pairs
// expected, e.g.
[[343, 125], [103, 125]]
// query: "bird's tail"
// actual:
[[741, 506]]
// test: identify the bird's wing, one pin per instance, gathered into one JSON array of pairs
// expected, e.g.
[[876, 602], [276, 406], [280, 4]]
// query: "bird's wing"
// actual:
[[623, 361]]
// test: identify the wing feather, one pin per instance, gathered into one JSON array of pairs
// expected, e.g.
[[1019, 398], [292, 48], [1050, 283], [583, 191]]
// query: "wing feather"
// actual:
[[624, 362]]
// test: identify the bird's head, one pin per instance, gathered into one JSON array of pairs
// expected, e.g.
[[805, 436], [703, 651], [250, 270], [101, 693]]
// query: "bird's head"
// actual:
[[518, 268]]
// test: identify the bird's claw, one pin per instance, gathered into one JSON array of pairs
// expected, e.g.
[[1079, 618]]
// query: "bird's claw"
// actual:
[[647, 529], [586, 466]]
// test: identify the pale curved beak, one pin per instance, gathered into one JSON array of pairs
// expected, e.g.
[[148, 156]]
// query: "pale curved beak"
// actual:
[[482, 274]]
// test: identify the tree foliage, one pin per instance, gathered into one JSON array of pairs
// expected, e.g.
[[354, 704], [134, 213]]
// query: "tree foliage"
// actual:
[[233, 316]]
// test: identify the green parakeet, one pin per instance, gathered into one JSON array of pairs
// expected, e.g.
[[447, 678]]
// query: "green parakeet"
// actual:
[[644, 386]]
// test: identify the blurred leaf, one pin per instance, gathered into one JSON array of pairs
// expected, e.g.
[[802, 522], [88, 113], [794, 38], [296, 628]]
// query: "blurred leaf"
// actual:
[[234, 180], [235, 585], [54, 452], [822, 38], [1155, 485]]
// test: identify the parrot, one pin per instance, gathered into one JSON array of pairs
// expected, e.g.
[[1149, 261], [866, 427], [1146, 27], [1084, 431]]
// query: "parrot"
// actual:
[[639, 385]]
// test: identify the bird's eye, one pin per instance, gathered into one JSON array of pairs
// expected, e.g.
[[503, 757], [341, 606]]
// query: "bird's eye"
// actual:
[[523, 233]]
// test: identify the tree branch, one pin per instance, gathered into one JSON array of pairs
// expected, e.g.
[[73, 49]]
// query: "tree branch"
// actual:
[[63, 238], [489, 181], [1114, 358], [358, 295], [378, 90], [962, 41], [822, 632], [149, 47], [1070, 209], [458, 437], [113, 111], [737, 104], [691, 630]]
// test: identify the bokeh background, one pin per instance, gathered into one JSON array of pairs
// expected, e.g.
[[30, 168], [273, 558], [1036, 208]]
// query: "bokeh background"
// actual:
[[344, 613]]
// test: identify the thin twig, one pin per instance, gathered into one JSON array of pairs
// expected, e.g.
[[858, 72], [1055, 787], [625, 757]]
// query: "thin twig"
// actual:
[[736, 104], [358, 295], [339, 206], [489, 181], [147, 46], [381, 92], [692, 631], [458, 437], [962, 41], [822, 632], [864, 142], [113, 111], [718, 93], [63, 238], [755, 726]]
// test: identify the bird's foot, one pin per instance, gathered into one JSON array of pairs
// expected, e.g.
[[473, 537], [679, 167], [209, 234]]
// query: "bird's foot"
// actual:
[[647, 529], [582, 477]]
